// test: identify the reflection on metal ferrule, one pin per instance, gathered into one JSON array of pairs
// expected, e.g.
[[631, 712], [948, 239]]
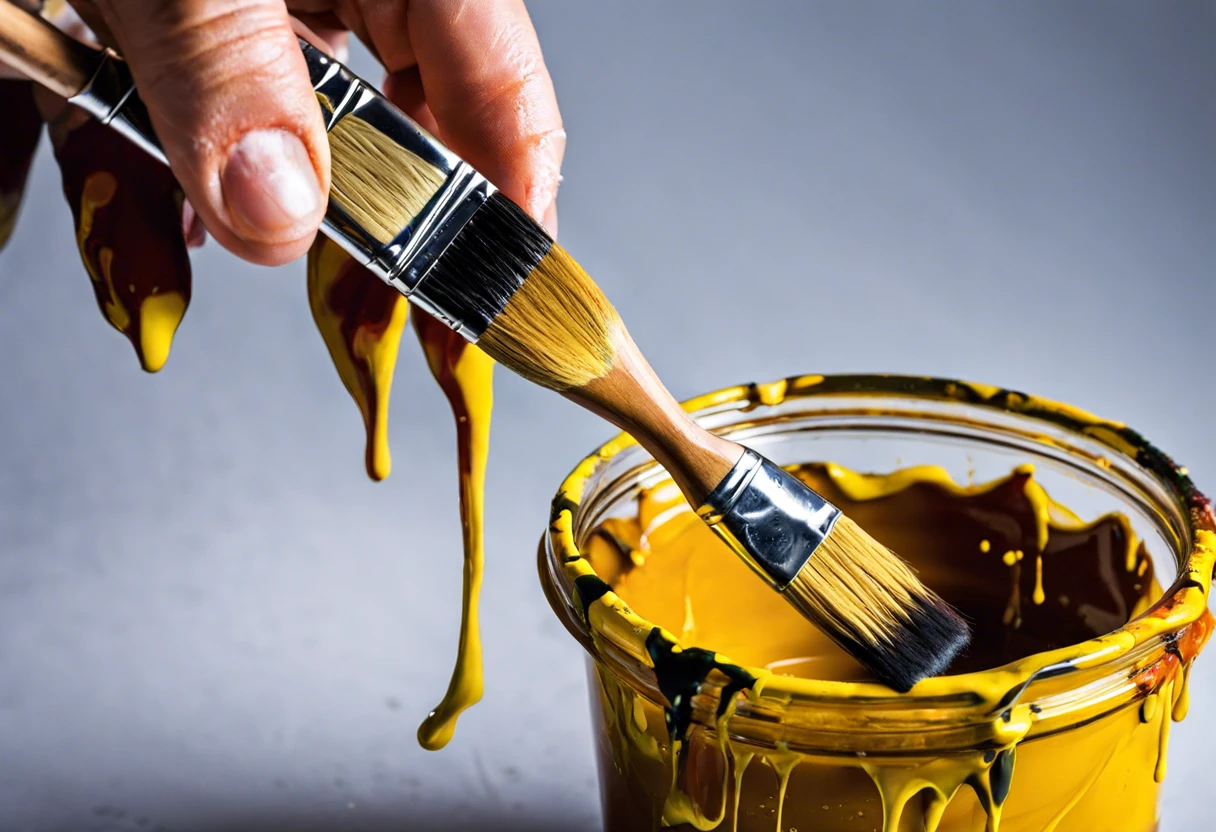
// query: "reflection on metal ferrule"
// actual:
[[402, 253], [768, 517], [402, 256]]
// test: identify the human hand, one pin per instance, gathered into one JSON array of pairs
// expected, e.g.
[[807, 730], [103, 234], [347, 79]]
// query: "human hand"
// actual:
[[133, 223], [229, 96]]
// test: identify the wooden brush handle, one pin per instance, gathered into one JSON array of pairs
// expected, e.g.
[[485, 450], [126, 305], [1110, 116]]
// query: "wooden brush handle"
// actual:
[[632, 398], [44, 54]]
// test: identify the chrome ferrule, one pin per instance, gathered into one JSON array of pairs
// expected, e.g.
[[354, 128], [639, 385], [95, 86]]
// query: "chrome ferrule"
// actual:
[[768, 517], [404, 261], [110, 98]]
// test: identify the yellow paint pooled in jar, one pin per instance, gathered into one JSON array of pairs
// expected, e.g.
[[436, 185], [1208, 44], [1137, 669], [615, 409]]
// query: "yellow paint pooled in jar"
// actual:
[[1070, 781]]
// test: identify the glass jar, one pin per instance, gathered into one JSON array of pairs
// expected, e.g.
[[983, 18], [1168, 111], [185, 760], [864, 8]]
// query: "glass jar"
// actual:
[[1071, 740]]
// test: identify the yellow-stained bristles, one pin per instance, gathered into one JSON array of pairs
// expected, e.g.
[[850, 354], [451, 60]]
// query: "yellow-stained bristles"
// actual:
[[557, 330], [381, 185], [540, 315], [871, 602]]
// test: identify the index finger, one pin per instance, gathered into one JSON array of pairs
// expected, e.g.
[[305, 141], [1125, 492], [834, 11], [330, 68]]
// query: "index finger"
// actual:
[[486, 84]]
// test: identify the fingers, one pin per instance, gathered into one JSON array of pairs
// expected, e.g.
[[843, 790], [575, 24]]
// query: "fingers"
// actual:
[[228, 92], [323, 31], [486, 84], [404, 89]]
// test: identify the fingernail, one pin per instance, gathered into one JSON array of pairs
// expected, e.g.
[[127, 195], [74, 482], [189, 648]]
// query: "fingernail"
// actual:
[[192, 226], [270, 186]]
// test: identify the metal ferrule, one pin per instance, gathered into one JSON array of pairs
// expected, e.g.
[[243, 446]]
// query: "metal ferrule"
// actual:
[[768, 517], [403, 261], [110, 98]]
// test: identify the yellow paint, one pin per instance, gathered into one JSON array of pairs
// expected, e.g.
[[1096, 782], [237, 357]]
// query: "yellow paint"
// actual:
[[783, 767], [773, 392], [465, 374], [99, 190], [159, 317], [1080, 793], [861, 486], [361, 321], [1182, 701], [688, 632], [1148, 709], [1065, 779], [142, 284], [366, 361], [936, 782], [1163, 741], [740, 760]]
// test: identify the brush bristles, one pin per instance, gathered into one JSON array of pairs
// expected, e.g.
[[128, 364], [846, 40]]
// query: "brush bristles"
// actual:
[[558, 329], [377, 182], [543, 317], [873, 605]]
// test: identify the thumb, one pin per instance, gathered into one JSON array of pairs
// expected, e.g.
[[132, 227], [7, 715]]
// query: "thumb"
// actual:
[[227, 89]]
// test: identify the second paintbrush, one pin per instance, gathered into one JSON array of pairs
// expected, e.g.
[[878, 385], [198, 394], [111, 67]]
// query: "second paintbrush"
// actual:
[[438, 231]]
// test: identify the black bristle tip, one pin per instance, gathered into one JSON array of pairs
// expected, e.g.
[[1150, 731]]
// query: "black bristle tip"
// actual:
[[485, 264], [932, 637]]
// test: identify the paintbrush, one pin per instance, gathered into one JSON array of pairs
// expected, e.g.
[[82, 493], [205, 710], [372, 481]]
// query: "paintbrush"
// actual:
[[434, 228]]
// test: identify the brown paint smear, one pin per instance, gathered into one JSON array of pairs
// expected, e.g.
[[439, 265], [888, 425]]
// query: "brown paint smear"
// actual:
[[18, 141], [127, 208]]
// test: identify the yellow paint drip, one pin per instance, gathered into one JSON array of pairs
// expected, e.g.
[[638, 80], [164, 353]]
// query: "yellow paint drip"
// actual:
[[466, 375], [159, 317], [783, 767], [361, 321], [1182, 698], [939, 780], [1163, 741], [740, 760]]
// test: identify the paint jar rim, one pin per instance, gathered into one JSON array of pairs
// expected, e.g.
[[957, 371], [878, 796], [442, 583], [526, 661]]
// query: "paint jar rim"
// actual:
[[1041, 694]]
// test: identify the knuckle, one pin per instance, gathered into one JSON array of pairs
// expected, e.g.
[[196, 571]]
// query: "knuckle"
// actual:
[[209, 47], [208, 72]]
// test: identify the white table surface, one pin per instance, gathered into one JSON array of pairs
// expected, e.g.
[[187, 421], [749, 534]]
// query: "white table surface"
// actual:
[[210, 620]]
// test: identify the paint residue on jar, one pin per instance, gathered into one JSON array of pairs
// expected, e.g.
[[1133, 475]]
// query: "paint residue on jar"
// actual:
[[674, 572]]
